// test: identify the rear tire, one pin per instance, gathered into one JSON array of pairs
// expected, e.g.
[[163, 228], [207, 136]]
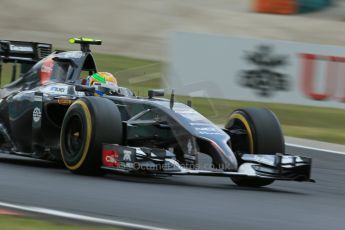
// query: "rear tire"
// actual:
[[88, 123], [263, 136]]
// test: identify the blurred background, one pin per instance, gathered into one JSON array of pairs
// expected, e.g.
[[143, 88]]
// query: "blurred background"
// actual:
[[142, 47], [142, 28]]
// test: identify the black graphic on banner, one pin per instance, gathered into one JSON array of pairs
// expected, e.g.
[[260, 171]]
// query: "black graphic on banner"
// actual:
[[265, 78]]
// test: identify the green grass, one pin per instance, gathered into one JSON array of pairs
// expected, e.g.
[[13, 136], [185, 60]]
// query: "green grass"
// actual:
[[316, 123], [25, 223], [137, 74], [6, 74], [323, 124]]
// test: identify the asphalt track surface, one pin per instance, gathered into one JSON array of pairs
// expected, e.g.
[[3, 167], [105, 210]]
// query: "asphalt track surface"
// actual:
[[183, 202]]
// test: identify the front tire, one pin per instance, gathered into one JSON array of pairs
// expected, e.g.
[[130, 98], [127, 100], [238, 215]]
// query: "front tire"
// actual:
[[88, 123], [261, 134]]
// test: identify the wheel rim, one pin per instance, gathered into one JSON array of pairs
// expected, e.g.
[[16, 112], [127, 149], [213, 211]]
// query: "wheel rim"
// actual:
[[74, 138], [240, 143]]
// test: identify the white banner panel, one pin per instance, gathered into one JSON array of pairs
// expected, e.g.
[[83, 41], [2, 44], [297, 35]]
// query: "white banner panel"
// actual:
[[257, 70]]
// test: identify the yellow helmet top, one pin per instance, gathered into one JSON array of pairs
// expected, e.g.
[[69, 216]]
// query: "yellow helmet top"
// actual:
[[103, 78], [104, 83]]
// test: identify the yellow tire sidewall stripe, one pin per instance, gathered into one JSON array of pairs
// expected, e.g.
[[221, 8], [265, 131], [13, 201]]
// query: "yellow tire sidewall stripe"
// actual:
[[248, 129], [88, 136]]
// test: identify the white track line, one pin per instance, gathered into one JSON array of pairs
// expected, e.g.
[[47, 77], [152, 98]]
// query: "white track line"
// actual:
[[79, 217], [312, 148]]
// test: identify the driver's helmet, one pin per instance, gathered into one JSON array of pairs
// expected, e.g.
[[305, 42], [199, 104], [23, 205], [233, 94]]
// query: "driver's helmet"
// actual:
[[104, 83]]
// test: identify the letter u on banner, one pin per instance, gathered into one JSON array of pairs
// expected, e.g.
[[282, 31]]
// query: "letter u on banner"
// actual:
[[308, 76]]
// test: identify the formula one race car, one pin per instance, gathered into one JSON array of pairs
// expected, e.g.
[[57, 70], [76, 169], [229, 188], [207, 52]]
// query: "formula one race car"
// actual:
[[49, 113]]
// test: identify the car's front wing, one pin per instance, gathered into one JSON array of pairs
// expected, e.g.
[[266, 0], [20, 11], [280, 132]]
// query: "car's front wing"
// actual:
[[126, 159]]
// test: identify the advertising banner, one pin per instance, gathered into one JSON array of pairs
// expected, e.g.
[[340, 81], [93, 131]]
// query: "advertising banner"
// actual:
[[257, 70]]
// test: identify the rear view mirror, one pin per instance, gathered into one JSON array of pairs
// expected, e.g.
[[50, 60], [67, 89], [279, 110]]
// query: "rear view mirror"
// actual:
[[156, 93], [84, 88]]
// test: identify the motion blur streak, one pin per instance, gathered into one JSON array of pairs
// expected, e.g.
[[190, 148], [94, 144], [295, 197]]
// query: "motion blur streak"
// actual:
[[142, 27]]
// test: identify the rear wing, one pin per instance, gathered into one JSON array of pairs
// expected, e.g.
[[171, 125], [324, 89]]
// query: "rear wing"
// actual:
[[23, 52]]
